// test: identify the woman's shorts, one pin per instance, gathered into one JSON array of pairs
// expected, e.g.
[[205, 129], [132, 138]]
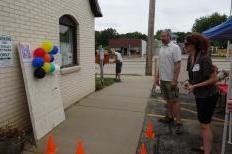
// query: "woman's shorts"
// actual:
[[205, 108]]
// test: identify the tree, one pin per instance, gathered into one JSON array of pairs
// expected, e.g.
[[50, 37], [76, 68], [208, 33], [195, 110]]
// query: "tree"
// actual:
[[134, 35], [97, 39], [206, 22], [180, 36], [102, 37], [157, 35], [108, 34]]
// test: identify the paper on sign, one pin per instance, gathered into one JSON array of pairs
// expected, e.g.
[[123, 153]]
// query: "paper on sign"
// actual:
[[25, 51], [5, 51]]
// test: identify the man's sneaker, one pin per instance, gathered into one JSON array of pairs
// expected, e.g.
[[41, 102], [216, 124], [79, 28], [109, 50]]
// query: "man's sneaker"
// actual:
[[179, 128], [166, 120]]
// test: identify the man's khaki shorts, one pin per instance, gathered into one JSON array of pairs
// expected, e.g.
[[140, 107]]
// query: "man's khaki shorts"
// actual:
[[167, 92]]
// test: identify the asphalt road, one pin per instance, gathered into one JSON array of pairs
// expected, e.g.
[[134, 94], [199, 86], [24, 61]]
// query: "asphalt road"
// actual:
[[130, 67], [137, 66]]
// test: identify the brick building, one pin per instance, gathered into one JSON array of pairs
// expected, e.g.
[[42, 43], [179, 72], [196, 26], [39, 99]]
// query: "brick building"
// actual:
[[129, 47], [69, 24]]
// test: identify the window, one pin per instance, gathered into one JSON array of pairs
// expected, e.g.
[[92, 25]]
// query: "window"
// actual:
[[68, 41]]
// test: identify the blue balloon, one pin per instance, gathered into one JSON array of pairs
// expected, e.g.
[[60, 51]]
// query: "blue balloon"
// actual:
[[52, 58], [37, 62], [54, 50]]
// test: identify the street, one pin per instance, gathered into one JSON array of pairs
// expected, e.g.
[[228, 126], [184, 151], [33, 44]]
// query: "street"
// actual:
[[130, 67], [137, 67]]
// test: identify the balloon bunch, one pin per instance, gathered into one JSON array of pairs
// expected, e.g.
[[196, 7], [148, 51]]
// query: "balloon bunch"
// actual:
[[43, 59]]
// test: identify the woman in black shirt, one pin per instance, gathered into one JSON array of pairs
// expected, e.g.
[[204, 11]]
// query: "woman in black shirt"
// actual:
[[202, 82]]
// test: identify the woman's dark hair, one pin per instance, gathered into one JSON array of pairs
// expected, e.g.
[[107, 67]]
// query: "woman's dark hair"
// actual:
[[200, 42]]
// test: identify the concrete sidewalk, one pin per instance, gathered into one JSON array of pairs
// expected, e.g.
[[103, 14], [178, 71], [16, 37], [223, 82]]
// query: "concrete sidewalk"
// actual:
[[108, 121]]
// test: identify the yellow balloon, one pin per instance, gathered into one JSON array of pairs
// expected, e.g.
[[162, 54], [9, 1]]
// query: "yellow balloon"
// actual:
[[47, 67], [47, 45]]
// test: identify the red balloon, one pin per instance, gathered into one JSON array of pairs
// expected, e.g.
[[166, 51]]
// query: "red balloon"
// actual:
[[39, 52], [47, 58]]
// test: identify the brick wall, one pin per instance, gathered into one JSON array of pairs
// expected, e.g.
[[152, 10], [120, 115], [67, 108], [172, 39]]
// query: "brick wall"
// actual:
[[33, 21]]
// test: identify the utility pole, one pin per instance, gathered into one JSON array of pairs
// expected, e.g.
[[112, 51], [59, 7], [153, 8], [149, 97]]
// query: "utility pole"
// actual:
[[227, 134], [230, 7], [150, 40]]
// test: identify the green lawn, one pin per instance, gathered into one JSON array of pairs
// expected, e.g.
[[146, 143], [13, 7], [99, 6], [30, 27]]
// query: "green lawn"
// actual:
[[107, 82]]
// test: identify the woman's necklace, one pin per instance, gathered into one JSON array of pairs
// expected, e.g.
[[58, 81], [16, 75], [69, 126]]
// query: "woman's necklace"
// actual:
[[193, 61]]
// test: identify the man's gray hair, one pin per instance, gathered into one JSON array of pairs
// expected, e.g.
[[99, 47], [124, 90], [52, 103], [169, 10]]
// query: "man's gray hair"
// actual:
[[168, 31]]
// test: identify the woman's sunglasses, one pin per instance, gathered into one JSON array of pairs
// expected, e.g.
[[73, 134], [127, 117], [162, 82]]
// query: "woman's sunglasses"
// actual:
[[186, 44]]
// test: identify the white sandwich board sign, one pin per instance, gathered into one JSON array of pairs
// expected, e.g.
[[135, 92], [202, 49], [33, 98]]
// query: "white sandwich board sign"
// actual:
[[43, 96]]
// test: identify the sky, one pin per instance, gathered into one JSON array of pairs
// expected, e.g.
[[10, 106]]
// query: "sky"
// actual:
[[178, 15]]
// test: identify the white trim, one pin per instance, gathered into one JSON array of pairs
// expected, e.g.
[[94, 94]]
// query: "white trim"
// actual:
[[70, 70]]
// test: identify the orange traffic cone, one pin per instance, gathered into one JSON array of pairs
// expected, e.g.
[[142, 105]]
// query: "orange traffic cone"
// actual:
[[51, 147], [143, 149], [150, 134], [80, 148]]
